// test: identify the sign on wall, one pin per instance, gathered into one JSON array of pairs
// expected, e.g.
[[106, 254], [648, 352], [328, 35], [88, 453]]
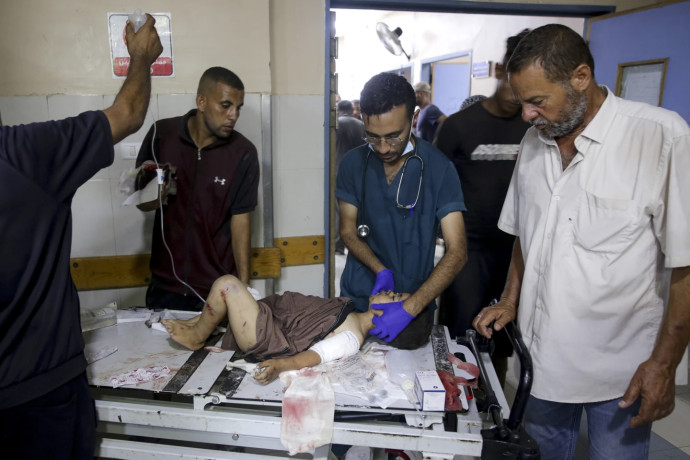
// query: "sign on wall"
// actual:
[[481, 69], [642, 81], [162, 67]]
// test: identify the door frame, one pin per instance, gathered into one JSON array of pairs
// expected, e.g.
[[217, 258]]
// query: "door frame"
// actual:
[[426, 66], [432, 6]]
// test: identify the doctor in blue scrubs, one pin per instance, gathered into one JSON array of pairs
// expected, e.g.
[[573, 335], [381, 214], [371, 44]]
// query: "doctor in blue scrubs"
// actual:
[[394, 192]]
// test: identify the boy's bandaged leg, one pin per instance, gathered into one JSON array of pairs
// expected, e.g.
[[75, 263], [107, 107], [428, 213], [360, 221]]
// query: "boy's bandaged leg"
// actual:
[[341, 345]]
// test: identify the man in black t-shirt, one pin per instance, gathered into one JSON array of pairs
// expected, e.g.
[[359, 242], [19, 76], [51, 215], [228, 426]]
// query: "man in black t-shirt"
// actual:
[[482, 141], [46, 410]]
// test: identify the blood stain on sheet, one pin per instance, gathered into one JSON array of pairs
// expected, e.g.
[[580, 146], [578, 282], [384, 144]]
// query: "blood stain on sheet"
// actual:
[[294, 409]]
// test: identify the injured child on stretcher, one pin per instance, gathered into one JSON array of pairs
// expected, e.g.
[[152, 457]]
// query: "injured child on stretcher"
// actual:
[[283, 331]]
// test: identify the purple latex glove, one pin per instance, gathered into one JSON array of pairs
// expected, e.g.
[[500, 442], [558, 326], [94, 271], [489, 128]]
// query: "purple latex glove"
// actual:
[[384, 282], [391, 323]]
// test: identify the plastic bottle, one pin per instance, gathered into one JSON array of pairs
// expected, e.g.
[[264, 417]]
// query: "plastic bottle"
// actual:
[[401, 367], [138, 19]]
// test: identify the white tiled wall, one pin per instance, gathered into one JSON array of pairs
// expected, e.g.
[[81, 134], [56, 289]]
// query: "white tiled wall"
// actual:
[[298, 172], [103, 227], [132, 227], [93, 232], [298, 165], [249, 125], [171, 105], [68, 106], [23, 110], [305, 279]]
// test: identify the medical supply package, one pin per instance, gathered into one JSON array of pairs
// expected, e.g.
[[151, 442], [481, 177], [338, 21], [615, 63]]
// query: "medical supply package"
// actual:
[[430, 391]]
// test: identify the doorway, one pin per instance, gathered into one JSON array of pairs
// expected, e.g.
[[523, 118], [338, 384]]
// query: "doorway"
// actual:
[[449, 78], [442, 39]]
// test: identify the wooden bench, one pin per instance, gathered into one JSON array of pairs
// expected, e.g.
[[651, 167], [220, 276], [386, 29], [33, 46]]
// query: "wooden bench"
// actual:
[[114, 272]]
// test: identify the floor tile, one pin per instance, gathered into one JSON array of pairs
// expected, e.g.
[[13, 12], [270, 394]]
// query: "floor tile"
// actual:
[[670, 454], [675, 428], [657, 444]]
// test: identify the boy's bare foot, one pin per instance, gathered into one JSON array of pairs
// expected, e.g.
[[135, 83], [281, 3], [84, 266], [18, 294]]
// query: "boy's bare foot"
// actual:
[[189, 321], [184, 334]]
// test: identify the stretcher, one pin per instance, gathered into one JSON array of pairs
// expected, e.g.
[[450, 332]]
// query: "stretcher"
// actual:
[[202, 409]]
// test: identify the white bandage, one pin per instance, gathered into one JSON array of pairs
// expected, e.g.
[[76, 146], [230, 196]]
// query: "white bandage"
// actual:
[[341, 345], [256, 294]]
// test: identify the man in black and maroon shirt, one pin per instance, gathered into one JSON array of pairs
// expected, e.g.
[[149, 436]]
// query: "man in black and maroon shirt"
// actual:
[[206, 223]]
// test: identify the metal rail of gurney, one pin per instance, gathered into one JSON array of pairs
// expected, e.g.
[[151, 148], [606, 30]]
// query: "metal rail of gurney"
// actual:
[[195, 421]]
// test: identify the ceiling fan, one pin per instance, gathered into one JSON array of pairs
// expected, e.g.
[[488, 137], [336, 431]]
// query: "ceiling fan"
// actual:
[[391, 39]]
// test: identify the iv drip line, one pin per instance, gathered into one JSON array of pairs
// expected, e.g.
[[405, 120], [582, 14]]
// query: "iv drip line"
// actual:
[[160, 207]]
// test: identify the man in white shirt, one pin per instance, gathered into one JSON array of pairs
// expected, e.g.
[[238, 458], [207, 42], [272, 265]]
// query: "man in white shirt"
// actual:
[[599, 278]]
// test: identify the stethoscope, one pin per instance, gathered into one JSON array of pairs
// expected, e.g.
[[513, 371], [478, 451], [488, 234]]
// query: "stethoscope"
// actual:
[[362, 228]]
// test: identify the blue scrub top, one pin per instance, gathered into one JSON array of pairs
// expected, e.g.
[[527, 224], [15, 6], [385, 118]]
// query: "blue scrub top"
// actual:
[[403, 240]]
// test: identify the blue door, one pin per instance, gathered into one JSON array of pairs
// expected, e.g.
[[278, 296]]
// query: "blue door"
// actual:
[[450, 86]]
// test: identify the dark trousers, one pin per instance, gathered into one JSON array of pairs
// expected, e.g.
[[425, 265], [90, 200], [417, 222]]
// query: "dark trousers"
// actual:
[[160, 299], [481, 280], [57, 425]]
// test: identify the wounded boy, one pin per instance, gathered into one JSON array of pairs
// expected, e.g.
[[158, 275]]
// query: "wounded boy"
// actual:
[[283, 332]]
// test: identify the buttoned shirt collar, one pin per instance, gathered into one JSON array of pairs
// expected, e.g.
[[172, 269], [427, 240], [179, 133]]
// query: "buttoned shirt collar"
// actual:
[[597, 128]]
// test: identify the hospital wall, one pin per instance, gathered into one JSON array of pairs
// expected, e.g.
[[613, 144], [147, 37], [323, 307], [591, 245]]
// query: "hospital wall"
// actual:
[[56, 63], [428, 37], [617, 39]]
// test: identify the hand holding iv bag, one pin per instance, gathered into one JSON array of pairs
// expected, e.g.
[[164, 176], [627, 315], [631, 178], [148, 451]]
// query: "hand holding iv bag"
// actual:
[[137, 19]]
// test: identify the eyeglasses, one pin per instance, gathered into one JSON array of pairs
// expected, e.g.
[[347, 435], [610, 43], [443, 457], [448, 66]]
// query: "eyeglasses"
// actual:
[[390, 140], [376, 140]]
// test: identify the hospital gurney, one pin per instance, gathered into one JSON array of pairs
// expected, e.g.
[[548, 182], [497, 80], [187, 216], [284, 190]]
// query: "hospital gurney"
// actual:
[[203, 410]]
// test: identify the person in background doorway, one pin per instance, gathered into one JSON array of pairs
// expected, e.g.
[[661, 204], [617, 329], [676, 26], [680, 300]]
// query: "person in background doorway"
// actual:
[[482, 141], [430, 116], [349, 134], [206, 224], [356, 111], [599, 279], [471, 100], [400, 189], [350, 131], [46, 410]]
